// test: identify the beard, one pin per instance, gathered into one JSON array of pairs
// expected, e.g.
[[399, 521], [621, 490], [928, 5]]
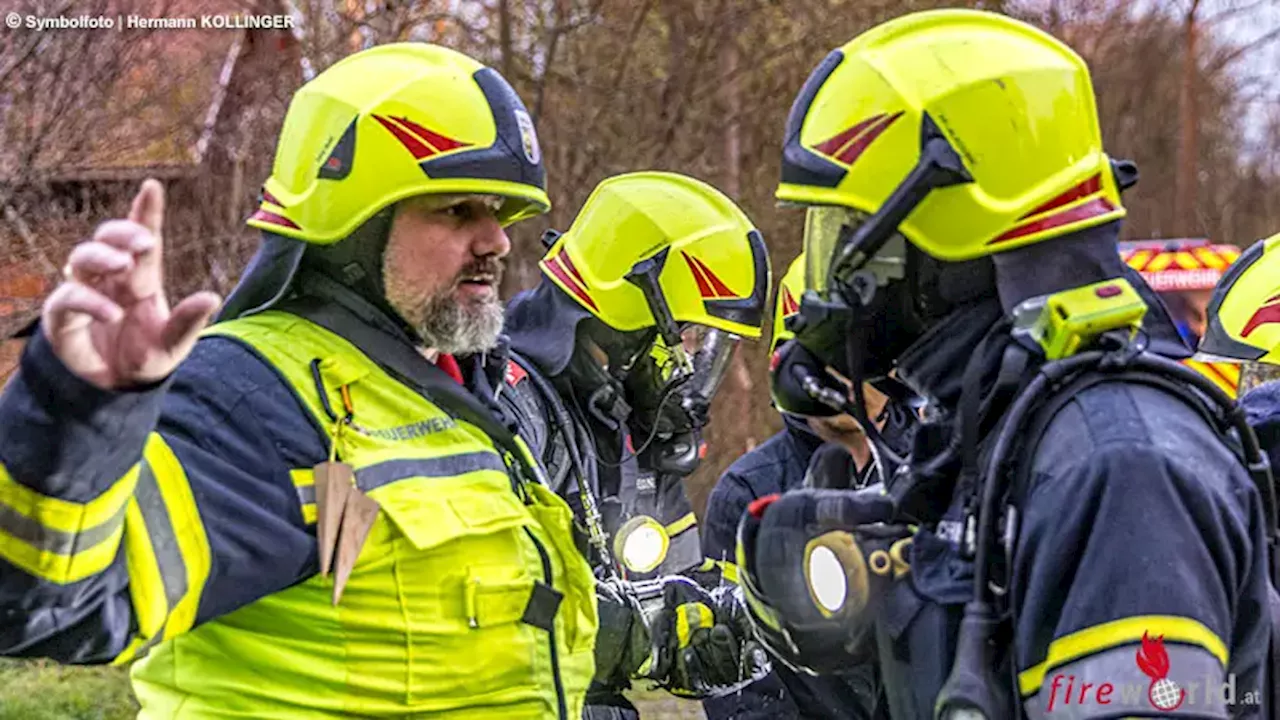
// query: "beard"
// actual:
[[449, 323], [459, 328]]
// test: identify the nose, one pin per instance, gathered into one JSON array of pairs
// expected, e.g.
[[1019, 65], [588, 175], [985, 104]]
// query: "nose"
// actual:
[[490, 239]]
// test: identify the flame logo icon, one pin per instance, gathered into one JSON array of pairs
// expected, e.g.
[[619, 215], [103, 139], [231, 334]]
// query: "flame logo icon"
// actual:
[[1164, 694]]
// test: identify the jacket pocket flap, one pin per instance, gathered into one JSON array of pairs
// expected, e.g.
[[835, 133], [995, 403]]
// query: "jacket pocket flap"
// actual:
[[497, 603], [430, 512]]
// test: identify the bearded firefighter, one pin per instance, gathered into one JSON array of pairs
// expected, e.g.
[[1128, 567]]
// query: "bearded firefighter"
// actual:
[[314, 508]]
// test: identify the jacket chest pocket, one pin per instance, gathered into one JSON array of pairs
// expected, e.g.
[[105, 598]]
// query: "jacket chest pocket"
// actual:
[[463, 573]]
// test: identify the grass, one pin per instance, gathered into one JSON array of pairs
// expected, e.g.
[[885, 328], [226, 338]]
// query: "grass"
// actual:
[[39, 690]]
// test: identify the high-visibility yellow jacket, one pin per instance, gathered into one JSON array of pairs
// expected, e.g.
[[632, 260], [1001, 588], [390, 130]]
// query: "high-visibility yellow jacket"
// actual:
[[177, 522]]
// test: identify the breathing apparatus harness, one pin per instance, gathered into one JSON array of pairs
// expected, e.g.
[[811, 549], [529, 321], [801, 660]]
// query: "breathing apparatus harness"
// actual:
[[1082, 336]]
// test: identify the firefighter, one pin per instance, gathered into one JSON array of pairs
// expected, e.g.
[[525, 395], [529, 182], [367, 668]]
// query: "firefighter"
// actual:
[[791, 459], [1244, 327], [1184, 273], [1074, 516], [313, 508], [616, 356]]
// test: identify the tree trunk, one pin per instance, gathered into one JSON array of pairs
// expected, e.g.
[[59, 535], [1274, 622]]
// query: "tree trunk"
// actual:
[[1186, 180]]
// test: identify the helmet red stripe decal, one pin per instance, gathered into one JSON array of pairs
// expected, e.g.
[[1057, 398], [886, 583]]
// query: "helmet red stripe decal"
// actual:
[[1093, 208], [1083, 190], [435, 140], [721, 290], [789, 304], [1268, 314], [704, 287], [555, 268], [268, 197], [850, 155], [563, 256], [831, 147], [274, 219], [415, 146]]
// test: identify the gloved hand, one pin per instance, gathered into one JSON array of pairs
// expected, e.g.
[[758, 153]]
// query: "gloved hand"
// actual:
[[814, 566], [623, 643], [702, 641]]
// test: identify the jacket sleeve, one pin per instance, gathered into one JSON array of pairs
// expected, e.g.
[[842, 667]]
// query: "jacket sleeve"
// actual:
[[127, 518], [725, 505], [1139, 582]]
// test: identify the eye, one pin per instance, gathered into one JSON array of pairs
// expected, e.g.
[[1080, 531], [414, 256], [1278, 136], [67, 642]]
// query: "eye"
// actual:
[[462, 212]]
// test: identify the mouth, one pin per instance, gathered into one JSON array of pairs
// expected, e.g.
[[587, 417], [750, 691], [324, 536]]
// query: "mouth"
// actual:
[[478, 283]]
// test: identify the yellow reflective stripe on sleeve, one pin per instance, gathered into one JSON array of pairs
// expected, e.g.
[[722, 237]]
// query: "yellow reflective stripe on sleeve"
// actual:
[[146, 587], [304, 479], [59, 540], [1120, 632], [166, 549], [681, 525]]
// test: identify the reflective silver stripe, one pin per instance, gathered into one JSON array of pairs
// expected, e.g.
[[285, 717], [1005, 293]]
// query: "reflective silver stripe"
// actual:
[[173, 569], [385, 473], [59, 542], [307, 494], [1110, 684]]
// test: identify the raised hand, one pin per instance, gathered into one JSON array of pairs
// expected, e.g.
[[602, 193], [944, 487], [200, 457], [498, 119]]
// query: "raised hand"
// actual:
[[109, 321]]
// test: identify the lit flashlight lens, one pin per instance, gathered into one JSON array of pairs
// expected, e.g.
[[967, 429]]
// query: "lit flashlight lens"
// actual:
[[826, 576]]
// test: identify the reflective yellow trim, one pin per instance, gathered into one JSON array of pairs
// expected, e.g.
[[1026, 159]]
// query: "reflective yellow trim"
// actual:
[[302, 477], [164, 606], [690, 617], [64, 515], [57, 568], [188, 529], [146, 586], [309, 514], [681, 525], [63, 524], [728, 570], [1116, 633]]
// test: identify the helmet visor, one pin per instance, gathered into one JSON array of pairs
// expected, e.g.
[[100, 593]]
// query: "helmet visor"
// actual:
[[825, 229]]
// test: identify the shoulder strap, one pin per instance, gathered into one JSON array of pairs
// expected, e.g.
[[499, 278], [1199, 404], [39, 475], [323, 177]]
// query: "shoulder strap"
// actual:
[[404, 364], [540, 418]]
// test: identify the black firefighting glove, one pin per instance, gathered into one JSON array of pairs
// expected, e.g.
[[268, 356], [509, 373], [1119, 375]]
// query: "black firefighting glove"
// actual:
[[702, 641], [815, 567], [623, 643]]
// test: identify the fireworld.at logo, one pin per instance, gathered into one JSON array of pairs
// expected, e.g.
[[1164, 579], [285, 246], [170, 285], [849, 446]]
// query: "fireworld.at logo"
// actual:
[[1162, 693], [1153, 661]]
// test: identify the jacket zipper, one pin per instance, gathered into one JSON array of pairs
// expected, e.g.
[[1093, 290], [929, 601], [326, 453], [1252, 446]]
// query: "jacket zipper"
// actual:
[[555, 655]]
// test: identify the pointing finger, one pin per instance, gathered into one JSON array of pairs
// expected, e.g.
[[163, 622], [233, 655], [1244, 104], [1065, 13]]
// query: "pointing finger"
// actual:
[[148, 211], [148, 207]]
